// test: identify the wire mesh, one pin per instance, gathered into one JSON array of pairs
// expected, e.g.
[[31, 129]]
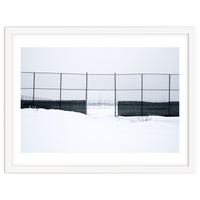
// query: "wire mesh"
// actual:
[[100, 89]]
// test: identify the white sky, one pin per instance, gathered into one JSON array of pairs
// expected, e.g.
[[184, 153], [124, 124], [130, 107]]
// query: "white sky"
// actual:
[[101, 60]]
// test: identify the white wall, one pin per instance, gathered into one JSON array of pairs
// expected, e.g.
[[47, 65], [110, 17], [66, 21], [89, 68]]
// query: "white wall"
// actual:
[[91, 12]]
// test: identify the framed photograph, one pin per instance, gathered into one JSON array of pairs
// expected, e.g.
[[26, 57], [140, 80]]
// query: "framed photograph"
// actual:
[[99, 100]]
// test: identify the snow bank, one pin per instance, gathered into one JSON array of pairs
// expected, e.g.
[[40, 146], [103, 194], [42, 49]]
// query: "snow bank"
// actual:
[[45, 131]]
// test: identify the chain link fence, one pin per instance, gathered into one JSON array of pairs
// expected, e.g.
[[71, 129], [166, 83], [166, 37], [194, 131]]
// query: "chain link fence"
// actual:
[[129, 94]]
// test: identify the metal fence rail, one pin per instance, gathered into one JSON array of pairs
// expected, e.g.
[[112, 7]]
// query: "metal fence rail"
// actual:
[[63, 87]]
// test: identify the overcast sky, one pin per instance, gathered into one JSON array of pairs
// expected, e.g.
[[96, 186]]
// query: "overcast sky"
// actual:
[[101, 60]]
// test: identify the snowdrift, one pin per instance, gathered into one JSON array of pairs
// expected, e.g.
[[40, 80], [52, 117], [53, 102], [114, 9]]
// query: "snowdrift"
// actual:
[[52, 131]]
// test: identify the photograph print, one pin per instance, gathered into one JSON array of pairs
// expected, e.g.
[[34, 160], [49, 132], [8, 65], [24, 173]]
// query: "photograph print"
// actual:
[[99, 100]]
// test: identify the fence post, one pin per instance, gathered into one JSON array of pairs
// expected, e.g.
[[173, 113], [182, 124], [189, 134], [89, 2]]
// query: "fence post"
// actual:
[[86, 92], [115, 95], [60, 91], [142, 94], [33, 87], [169, 94]]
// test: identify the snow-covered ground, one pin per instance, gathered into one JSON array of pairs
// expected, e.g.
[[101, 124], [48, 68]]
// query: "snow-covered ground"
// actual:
[[46, 131]]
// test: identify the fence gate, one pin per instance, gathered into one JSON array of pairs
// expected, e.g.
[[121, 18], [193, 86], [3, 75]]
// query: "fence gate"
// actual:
[[101, 94]]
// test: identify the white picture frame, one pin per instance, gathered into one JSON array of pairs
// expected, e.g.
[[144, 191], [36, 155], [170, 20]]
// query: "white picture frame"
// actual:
[[10, 98]]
